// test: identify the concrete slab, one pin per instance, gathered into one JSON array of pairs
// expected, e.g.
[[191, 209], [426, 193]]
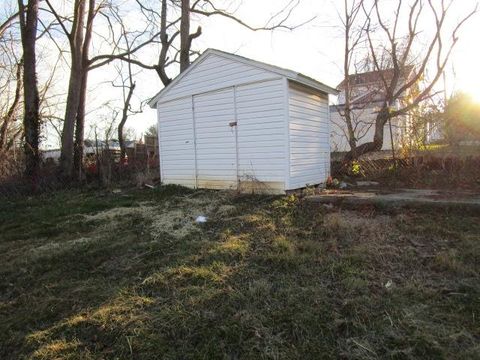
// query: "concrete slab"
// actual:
[[400, 197]]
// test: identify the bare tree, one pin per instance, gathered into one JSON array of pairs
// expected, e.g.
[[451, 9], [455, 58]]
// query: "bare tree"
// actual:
[[7, 23], [76, 39], [11, 84], [159, 28], [9, 116], [31, 121], [11, 94], [80, 37], [80, 114], [384, 38], [353, 37], [128, 87], [166, 23]]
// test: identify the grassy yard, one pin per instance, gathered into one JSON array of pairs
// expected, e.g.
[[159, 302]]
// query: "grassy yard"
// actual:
[[89, 275]]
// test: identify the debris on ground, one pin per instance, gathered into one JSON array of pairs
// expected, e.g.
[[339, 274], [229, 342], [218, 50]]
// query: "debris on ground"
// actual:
[[400, 197], [367, 183], [201, 219], [225, 210]]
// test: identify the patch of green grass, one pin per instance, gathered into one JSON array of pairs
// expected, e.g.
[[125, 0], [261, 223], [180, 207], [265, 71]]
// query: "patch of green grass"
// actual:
[[87, 275]]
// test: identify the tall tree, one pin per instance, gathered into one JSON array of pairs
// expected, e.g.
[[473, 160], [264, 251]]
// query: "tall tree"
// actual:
[[78, 42], [171, 53], [80, 115], [185, 37], [399, 50], [80, 37], [128, 87], [31, 122], [353, 38]]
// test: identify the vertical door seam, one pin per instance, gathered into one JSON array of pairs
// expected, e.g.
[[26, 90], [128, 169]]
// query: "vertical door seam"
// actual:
[[236, 136]]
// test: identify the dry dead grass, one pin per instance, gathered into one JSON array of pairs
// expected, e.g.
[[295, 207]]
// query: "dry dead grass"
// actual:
[[133, 276]]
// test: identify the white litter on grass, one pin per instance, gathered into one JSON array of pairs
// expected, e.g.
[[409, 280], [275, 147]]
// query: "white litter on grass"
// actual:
[[201, 219], [389, 284]]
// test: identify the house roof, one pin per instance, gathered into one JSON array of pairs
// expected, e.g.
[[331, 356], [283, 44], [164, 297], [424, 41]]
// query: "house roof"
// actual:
[[368, 89], [372, 77], [289, 74]]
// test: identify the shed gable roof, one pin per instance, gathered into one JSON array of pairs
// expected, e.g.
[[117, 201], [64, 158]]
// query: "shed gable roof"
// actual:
[[289, 74]]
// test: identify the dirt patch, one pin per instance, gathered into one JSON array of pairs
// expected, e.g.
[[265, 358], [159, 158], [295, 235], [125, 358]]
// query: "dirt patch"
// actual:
[[55, 247], [176, 217], [119, 212]]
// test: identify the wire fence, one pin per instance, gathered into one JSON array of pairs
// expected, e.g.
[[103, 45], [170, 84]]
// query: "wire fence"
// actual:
[[105, 170], [101, 170], [424, 170]]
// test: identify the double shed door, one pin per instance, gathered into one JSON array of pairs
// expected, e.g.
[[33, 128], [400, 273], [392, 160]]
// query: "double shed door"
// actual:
[[216, 150]]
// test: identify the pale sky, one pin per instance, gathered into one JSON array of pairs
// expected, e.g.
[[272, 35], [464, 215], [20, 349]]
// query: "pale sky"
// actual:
[[316, 49]]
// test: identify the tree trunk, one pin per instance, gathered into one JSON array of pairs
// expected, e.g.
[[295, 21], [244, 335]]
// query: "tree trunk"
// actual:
[[185, 36], [31, 119], [80, 130], [73, 101], [165, 46], [80, 119], [377, 143], [121, 140], [74, 90]]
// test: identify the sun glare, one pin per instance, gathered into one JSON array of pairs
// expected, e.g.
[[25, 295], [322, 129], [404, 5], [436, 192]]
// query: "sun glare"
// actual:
[[468, 85], [473, 90], [475, 94]]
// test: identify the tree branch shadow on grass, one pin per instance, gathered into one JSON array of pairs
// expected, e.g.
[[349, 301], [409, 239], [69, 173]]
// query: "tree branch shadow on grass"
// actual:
[[265, 277]]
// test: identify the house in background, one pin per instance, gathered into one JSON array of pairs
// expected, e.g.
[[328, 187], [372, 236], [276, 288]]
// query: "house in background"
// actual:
[[367, 94], [138, 152], [229, 122], [90, 148]]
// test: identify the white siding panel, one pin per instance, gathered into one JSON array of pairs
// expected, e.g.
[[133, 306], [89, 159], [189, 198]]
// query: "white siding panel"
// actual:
[[309, 137], [177, 154], [365, 132], [213, 73], [261, 131]]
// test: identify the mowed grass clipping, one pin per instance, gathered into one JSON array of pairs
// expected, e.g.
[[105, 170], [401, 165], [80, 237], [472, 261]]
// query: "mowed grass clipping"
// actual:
[[130, 275]]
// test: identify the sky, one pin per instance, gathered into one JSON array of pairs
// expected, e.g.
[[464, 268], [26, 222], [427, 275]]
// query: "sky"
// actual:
[[315, 49]]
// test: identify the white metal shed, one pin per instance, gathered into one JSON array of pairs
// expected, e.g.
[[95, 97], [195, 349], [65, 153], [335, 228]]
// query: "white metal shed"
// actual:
[[229, 122]]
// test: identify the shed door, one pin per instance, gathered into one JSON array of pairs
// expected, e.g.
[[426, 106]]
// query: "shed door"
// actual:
[[215, 133]]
